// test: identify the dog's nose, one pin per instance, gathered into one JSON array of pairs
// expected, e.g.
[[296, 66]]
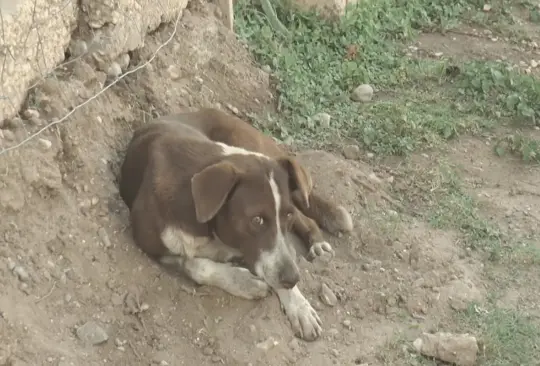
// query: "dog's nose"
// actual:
[[289, 278]]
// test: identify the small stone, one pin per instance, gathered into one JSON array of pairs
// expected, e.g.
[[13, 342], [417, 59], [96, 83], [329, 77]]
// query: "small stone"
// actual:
[[78, 48], [486, 8], [124, 60], [8, 135], [14, 123], [458, 349], [267, 344], [92, 333], [327, 295], [534, 64], [267, 69], [351, 152], [114, 70], [163, 363], [208, 351], [144, 307], [67, 298], [104, 237], [174, 72], [323, 119], [438, 54], [363, 93], [347, 324], [334, 352], [30, 113], [21, 273], [232, 109], [94, 201], [46, 144]]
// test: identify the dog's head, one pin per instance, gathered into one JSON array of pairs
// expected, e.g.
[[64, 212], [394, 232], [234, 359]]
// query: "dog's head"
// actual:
[[248, 201]]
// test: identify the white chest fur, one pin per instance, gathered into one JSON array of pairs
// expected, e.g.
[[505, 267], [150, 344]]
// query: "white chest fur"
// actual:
[[180, 243]]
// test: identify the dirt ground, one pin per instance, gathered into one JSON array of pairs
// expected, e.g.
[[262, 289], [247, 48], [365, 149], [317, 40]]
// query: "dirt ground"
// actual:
[[67, 257]]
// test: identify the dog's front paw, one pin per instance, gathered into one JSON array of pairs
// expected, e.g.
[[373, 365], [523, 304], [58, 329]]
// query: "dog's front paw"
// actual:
[[305, 321], [320, 249], [245, 284]]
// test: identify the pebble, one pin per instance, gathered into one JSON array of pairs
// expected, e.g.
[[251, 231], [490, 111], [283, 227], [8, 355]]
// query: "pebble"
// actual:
[[9, 135], [104, 237], [14, 123], [351, 152], [46, 144], [323, 119], [21, 273], [327, 295], [92, 333], [347, 324], [534, 64], [363, 93], [267, 344], [174, 72], [30, 113], [114, 70]]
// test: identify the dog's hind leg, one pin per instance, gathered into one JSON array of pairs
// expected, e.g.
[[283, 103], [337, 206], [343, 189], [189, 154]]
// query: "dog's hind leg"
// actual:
[[311, 235], [236, 281], [331, 217]]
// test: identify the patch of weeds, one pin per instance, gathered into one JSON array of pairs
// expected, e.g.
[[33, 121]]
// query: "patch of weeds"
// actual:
[[509, 337], [398, 351], [527, 148], [498, 90], [418, 102], [454, 209], [438, 196]]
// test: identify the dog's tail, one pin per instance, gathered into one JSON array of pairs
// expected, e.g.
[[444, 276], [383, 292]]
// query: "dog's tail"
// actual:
[[332, 218]]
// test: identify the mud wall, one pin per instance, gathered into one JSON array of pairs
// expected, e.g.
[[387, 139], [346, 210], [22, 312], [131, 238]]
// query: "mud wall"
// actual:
[[36, 34]]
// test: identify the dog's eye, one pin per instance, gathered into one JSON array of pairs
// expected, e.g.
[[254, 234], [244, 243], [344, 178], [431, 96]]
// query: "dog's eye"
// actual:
[[257, 220]]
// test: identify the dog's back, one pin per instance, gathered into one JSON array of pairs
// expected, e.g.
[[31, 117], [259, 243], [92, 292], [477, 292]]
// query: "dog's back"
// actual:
[[137, 154]]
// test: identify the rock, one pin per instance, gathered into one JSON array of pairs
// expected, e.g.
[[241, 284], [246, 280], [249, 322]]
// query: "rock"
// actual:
[[486, 8], [30, 113], [363, 93], [534, 64], [78, 48], [8, 135], [14, 123], [46, 144], [327, 295], [21, 273], [104, 237], [267, 344], [322, 119], [92, 333], [458, 349], [174, 73], [114, 70], [351, 152], [462, 293]]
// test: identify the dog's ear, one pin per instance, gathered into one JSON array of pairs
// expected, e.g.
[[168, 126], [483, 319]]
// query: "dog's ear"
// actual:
[[299, 179], [210, 188]]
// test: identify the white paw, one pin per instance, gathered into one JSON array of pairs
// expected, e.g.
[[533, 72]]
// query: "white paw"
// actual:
[[245, 284], [305, 321], [319, 249]]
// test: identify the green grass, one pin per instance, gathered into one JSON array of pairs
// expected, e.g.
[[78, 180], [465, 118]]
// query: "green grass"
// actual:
[[418, 103], [509, 337]]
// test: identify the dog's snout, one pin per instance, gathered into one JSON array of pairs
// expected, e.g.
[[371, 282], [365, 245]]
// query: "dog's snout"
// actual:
[[289, 277]]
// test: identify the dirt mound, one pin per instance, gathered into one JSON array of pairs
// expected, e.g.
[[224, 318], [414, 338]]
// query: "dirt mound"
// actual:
[[68, 259]]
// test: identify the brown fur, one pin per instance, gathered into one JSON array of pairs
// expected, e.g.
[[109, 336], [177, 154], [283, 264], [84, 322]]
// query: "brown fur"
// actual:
[[313, 210]]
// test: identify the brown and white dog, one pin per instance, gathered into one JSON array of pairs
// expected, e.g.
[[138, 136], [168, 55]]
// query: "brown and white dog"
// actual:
[[205, 188]]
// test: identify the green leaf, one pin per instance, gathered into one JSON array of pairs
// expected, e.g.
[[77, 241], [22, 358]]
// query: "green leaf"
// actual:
[[512, 100], [525, 110]]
